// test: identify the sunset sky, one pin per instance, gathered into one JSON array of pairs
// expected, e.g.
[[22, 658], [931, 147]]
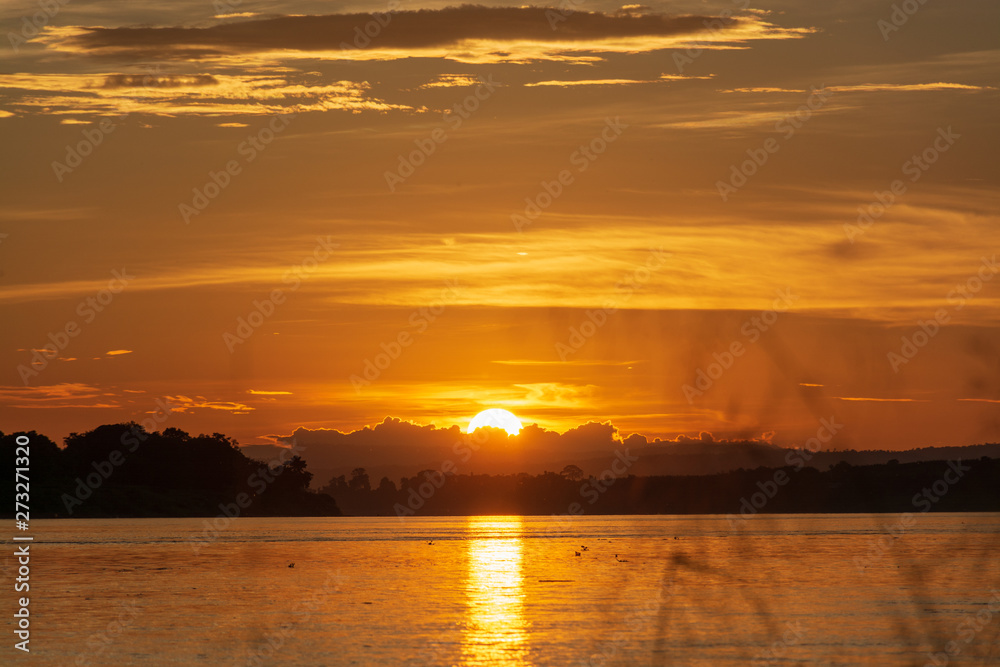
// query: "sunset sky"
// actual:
[[475, 184]]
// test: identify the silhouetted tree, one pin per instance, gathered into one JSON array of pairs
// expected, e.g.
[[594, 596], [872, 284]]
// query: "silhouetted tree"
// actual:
[[123, 470], [295, 470], [572, 473], [359, 480]]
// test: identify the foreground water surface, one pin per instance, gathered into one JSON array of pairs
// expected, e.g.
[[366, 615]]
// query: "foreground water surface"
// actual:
[[691, 590]]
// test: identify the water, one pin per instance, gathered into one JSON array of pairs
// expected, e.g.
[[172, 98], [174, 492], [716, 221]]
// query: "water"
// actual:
[[510, 591]]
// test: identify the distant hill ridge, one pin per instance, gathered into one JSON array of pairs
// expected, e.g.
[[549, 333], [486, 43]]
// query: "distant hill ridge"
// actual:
[[691, 457]]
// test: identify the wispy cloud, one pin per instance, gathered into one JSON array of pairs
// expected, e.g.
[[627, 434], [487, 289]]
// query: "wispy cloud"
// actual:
[[451, 81], [614, 82], [867, 88], [762, 89], [904, 87], [744, 118], [882, 400], [568, 362], [237, 15], [202, 95], [57, 396], [188, 404], [488, 269]]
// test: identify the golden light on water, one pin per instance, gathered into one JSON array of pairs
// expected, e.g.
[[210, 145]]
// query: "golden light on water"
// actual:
[[495, 630]]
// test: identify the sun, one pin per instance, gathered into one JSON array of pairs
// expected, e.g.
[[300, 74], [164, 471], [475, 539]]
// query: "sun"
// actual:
[[497, 418]]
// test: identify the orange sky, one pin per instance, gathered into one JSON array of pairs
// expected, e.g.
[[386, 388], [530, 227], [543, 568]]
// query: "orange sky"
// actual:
[[571, 215]]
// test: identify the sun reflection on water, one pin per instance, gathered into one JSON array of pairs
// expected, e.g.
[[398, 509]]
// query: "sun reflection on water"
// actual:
[[495, 630]]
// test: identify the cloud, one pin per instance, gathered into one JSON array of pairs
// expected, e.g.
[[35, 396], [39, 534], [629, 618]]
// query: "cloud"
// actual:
[[114, 353], [58, 396], [557, 395], [744, 118], [634, 9], [903, 87], [614, 82], [199, 95], [408, 447], [562, 364], [762, 89], [867, 88], [187, 404], [882, 400], [703, 436], [468, 33], [681, 77], [396, 447], [269, 393], [451, 81], [583, 265], [588, 82], [237, 15], [158, 81], [406, 30]]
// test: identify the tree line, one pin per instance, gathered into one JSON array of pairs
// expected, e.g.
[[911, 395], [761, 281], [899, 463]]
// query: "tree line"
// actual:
[[945, 486], [120, 470], [123, 470]]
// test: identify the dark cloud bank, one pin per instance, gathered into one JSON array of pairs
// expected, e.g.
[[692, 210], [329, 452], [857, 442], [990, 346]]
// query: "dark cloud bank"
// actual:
[[424, 28], [396, 448]]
